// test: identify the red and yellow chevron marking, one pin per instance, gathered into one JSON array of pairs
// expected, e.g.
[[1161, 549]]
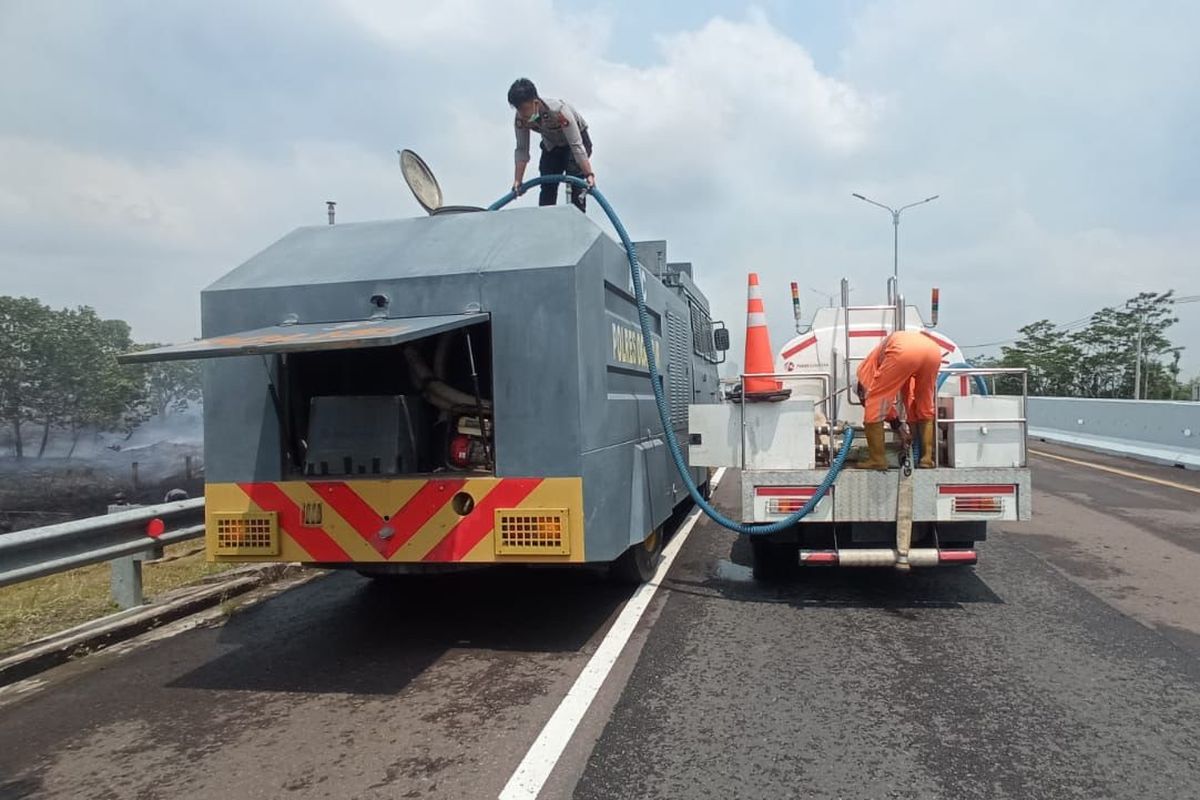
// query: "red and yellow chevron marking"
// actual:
[[399, 521]]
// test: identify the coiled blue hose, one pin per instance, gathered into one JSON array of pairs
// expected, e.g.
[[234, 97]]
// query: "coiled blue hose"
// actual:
[[660, 399]]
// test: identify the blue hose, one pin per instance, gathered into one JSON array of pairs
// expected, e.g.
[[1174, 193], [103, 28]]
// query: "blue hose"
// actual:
[[660, 399], [980, 383]]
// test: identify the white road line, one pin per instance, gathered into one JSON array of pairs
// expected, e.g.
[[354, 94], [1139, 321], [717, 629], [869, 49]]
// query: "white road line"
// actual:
[[531, 775]]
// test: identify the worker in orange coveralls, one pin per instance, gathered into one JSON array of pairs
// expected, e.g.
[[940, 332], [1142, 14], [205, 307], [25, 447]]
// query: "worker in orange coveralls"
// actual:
[[901, 426], [906, 362]]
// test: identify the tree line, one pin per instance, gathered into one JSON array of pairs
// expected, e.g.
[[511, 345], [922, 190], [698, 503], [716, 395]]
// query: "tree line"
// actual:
[[59, 372], [1098, 356]]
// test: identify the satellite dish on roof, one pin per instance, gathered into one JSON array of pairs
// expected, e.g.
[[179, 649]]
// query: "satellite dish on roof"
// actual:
[[424, 186]]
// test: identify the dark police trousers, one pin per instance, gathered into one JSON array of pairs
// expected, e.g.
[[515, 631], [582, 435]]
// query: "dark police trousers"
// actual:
[[557, 161]]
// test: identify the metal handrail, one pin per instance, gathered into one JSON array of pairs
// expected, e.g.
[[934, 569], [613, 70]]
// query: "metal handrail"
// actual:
[[897, 323], [821, 376], [1023, 420], [985, 370]]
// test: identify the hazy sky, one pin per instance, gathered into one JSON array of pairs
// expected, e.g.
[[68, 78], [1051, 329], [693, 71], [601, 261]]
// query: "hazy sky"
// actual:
[[146, 148]]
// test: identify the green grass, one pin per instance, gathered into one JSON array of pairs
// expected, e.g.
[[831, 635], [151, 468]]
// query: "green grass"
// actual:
[[38, 608]]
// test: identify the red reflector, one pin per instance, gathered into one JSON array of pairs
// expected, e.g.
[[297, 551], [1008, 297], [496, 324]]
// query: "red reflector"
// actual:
[[818, 556], [155, 528], [868, 334], [957, 556], [977, 488], [803, 492]]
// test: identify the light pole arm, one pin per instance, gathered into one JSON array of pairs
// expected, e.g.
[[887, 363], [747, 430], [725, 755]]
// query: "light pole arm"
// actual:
[[918, 203], [888, 209], [895, 212]]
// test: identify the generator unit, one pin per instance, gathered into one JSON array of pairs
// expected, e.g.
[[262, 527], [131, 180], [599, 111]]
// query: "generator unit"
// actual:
[[467, 387]]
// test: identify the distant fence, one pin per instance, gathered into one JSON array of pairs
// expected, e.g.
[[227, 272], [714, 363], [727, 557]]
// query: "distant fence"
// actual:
[[1164, 431]]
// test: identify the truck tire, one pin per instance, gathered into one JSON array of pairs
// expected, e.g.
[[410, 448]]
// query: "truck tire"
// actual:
[[773, 561], [637, 564]]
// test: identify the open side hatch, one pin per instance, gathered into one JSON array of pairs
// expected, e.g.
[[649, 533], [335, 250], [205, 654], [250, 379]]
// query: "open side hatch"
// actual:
[[378, 397], [309, 337]]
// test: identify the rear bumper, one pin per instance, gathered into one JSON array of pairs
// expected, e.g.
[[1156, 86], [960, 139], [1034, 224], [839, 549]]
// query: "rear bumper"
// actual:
[[444, 520], [888, 557], [939, 495]]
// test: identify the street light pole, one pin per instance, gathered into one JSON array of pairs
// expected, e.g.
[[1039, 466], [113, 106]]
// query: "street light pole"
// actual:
[[1137, 365], [895, 212]]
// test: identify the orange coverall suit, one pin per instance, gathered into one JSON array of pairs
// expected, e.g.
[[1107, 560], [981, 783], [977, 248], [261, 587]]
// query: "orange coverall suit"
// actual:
[[905, 361]]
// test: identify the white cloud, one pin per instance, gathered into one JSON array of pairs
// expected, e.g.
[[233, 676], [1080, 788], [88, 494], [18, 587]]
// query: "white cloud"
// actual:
[[145, 238], [1057, 135], [728, 91]]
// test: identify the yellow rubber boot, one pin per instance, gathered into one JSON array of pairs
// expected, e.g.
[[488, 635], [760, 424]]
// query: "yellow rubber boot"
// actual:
[[877, 459], [925, 429]]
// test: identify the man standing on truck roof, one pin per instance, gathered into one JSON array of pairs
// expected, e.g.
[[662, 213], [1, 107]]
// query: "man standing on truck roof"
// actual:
[[905, 362], [566, 145]]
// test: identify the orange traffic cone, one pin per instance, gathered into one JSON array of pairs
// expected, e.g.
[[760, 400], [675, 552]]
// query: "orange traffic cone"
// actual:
[[758, 350]]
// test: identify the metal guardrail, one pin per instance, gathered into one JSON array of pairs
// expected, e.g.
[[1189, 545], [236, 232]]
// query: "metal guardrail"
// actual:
[[125, 538], [1161, 431]]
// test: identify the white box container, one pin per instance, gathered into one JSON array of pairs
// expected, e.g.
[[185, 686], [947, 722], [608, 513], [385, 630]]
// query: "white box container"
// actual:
[[776, 436], [713, 436], [983, 444]]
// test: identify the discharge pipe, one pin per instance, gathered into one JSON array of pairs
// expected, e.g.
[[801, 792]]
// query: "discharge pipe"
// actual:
[[437, 392], [660, 400]]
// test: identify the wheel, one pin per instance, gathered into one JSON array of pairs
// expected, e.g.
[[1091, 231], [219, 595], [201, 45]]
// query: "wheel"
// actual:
[[637, 564], [773, 561]]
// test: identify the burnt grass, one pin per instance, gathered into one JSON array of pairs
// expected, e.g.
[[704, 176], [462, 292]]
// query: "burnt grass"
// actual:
[[43, 491]]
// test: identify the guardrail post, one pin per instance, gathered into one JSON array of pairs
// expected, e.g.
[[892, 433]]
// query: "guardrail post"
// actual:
[[127, 581], [126, 578]]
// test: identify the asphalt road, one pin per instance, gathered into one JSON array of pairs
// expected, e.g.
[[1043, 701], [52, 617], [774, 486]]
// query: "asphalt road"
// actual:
[[1067, 664]]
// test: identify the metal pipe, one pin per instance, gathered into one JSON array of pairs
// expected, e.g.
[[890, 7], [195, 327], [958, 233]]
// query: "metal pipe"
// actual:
[[484, 433], [846, 332], [985, 371], [887, 307]]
